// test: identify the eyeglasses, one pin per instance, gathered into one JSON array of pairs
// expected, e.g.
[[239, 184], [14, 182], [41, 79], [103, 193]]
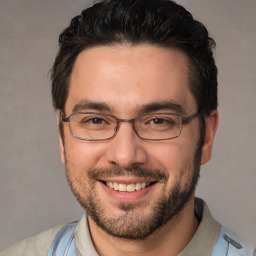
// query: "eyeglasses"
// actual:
[[91, 126]]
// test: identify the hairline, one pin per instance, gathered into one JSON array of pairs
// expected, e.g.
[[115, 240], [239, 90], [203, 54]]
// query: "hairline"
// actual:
[[189, 62]]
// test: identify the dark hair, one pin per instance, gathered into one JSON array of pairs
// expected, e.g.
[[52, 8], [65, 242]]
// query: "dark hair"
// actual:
[[157, 22]]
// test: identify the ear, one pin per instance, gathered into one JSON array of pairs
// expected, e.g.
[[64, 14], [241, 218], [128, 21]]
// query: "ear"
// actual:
[[211, 124], [61, 142]]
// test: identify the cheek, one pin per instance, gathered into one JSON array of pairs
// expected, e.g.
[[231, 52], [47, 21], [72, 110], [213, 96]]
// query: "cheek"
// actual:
[[82, 156], [176, 158], [170, 155]]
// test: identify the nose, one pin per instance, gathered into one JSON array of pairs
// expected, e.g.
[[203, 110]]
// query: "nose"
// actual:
[[126, 148]]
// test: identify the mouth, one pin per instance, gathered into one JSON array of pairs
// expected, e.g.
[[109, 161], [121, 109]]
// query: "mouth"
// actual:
[[132, 187]]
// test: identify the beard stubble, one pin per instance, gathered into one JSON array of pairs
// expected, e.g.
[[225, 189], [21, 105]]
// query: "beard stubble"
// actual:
[[132, 223]]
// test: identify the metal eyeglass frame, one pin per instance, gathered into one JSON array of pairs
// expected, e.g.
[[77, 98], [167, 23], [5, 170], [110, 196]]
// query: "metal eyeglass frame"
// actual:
[[184, 120]]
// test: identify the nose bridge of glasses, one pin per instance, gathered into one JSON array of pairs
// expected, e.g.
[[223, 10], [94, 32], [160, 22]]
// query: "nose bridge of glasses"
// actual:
[[121, 120]]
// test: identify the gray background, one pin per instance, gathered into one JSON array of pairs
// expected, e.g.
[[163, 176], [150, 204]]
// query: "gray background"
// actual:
[[33, 191]]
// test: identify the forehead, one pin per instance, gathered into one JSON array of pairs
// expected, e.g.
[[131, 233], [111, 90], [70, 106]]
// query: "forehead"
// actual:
[[125, 77]]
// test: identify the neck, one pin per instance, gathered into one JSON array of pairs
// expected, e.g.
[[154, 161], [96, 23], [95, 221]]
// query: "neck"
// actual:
[[168, 240]]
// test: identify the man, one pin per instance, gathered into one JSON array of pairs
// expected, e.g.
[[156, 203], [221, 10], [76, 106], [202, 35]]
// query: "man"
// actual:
[[135, 89]]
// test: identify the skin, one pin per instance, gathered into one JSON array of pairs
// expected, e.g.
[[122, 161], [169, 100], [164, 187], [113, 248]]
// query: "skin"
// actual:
[[125, 78]]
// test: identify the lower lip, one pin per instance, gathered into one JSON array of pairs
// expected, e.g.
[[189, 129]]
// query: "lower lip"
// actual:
[[127, 196]]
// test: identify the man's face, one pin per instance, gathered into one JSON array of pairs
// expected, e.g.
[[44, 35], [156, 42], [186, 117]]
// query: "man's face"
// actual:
[[126, 81]]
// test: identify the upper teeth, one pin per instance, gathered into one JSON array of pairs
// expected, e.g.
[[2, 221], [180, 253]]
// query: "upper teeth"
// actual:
[[127, 188]]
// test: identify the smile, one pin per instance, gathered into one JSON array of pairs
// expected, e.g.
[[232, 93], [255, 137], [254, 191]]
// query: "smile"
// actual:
[[127, 187]]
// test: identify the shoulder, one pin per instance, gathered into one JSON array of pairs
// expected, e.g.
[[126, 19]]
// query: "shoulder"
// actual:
[[35, 245], [213, 238]]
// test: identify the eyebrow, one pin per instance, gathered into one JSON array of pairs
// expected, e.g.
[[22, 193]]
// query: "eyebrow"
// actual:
[[86, 104], [141, 109], [162, 105]]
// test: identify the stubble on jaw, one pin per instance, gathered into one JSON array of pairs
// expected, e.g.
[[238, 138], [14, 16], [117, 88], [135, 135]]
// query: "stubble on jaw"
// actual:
[[131, 223]]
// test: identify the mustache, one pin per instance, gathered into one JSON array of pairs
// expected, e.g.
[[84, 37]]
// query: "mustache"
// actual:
[[134, 170]]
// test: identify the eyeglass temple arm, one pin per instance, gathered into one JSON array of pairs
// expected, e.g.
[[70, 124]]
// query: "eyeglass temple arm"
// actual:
[[63, 119], [188, 119]]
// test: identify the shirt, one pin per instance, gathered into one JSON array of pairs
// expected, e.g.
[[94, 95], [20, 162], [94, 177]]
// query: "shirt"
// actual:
[[201, 244]]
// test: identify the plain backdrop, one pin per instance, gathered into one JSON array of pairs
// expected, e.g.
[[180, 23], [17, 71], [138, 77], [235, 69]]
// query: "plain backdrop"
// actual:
[[34, 195]]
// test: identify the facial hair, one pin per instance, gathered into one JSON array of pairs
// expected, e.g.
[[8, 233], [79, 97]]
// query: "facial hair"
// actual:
[[132, 223]]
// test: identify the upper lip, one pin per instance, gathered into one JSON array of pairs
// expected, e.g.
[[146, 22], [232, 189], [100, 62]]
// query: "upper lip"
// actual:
[[128, 180]]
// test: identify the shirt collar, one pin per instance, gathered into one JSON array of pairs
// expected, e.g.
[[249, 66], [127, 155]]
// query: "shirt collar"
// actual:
[[84, 245], [207, 233], [202, 243]]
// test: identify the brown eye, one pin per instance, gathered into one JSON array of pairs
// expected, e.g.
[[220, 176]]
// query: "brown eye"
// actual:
[[95, 120], [158, 121], [162, 121]]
